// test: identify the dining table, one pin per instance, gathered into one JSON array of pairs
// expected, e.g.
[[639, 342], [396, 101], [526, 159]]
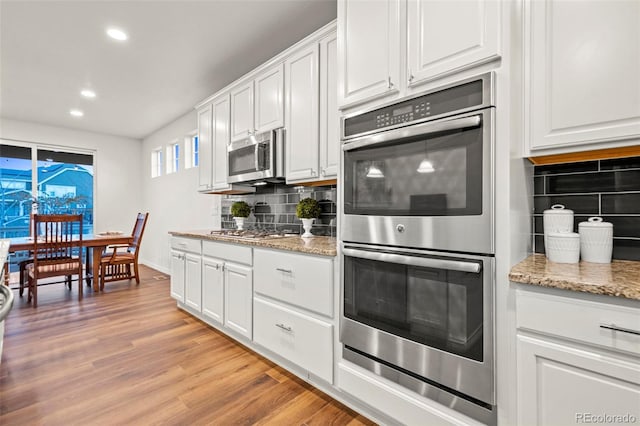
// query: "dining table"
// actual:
[[94, 243]]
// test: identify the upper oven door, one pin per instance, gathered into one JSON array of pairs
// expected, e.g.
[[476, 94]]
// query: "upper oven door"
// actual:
[[427, 185]]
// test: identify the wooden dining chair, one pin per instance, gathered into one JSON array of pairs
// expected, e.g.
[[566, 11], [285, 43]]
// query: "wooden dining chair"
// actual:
[[57, 251], [121, 263]]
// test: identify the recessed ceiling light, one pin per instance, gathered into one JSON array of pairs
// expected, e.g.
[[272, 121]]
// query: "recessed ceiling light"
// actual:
[[88, 93], [117, 34], [76, 113]]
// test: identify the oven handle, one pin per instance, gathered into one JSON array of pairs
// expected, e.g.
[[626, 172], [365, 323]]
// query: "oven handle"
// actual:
[[426, 262], [414, 130]]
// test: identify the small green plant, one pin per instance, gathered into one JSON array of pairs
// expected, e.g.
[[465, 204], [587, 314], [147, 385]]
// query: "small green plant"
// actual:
[[308, 208], [240, 209]]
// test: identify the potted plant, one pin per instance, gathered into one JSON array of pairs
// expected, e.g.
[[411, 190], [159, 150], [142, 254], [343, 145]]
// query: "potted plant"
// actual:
[[240, 210], [307, 210]]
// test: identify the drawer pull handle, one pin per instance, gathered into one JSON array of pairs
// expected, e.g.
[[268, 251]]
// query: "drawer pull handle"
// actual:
[[284, 327], [286, 271], [622, 329], [182, 244]]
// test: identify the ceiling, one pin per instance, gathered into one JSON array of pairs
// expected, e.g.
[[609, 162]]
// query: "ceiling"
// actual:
[[177, 54]]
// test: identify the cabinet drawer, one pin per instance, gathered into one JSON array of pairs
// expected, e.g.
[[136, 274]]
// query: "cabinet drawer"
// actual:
[[579, 320], [303, 340], [304, 281], [186, 244], [227, 251]]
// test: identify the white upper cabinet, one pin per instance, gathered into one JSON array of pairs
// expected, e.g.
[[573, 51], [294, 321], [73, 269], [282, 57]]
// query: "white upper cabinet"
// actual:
[[329, 118], [368, 50], [242, 111], [448, 36], [220, 134], [302, 88], [205, 168], [269, 91], [257, 105], [582, 74]]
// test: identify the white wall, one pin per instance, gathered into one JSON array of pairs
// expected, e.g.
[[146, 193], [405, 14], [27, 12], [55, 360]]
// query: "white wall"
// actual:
[[117, 167], [172, 200]]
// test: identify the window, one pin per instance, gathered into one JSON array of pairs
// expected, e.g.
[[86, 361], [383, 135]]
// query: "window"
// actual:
[[191, 149], [156, 163], [173, 157], [57, 182]]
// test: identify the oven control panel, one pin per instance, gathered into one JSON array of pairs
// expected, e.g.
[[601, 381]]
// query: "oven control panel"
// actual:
[[444, 101]]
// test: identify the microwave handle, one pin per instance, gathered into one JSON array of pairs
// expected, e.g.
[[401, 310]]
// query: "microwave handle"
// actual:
[[426, 262], [255, 156], [415, 130]]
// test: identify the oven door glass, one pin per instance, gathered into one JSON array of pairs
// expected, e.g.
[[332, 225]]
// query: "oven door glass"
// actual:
[[249, 159], [434, 174], [440, 307]]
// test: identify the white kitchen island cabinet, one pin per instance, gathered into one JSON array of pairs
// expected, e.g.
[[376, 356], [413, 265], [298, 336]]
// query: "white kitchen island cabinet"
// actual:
[[570, 368], [582, 62]]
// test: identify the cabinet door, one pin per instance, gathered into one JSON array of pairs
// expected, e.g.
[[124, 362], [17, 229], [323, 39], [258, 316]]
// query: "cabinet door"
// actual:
[[329, 118], [242, 111], [205, 149], [583, 63], [212, 289], [561, 385], [177, 275], [193, 281], [269, 87], [238, 299], [368, 50], [302, 85], [449, 36], [221, 119]]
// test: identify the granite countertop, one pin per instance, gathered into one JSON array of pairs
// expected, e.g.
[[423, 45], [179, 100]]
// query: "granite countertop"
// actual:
[[620, 278], [323, 246]]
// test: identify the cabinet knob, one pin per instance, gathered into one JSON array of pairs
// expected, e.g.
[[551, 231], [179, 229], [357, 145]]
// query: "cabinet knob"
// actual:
[[411, 77], [389, 82], [313, 172], [323, 172]]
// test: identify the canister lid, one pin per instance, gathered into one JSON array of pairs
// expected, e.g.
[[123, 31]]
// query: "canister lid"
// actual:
[[567, 235], [558, 209], [595, 222]]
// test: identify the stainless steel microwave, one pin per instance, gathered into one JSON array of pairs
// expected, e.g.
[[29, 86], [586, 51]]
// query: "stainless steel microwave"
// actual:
[[258, 157]]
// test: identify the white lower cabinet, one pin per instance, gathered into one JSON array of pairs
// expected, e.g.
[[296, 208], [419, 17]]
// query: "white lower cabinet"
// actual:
[[213, 289], [303, 340], [192, 281], [571, 369], [238, 298], [186, 271], [177, 275], [562, 384]]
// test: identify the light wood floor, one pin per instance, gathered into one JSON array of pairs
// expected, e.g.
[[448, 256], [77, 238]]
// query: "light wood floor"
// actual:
[[129, 356]]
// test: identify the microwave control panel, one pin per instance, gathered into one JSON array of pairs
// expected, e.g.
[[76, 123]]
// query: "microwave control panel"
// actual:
[[419, 108]]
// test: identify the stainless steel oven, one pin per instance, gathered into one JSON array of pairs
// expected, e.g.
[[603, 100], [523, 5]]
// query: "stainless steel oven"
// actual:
[[419, 173], [258, 157], [417, 244]]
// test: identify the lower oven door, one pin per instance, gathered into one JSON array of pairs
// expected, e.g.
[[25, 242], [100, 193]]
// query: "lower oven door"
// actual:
[[425, 313]]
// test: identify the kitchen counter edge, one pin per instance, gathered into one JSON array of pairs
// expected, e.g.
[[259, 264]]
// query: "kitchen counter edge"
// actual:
[[318, 245], [620, 278]]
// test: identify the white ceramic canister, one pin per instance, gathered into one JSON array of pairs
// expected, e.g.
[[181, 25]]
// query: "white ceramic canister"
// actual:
[[596, 240], [557, 219], [563, 247]]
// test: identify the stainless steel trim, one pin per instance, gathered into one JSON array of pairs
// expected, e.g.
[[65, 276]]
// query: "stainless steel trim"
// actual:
[[7, 295], [286, 271], [255, 157], [478, 412], [284, 327], [414, 130], [407, 259], [488, 99], [621, 329]]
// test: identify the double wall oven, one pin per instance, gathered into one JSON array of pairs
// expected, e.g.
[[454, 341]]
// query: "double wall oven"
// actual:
[[417, 235]]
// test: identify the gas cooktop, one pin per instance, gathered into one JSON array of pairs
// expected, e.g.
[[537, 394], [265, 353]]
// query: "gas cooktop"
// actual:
[[250, 234]]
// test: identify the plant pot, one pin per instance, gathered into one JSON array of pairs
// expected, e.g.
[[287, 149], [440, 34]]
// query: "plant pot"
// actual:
[[239, 222], [307, 224]]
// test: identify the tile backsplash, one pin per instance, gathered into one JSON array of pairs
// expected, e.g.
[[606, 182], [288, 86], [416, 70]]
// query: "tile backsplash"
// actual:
[[273, 206], [606, 188]]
